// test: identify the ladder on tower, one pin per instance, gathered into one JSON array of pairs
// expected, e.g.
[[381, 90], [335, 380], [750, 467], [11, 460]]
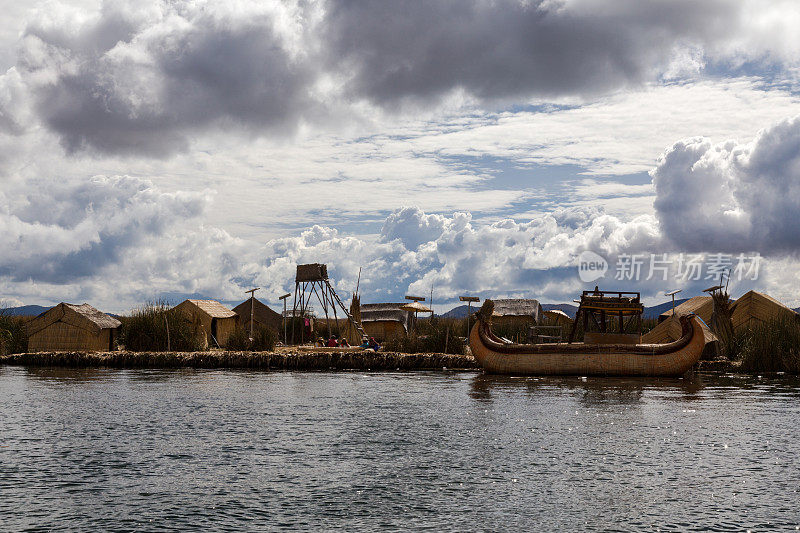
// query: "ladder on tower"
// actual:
[[352, 320]]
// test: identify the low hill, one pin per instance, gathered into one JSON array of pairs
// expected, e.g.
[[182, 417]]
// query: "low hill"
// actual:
[[458, 312]]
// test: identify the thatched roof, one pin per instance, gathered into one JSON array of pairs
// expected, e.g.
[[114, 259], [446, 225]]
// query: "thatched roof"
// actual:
[[212, 308], [261, 313], [758, 307], [557, 316], [388, 312], [82, 316], [518, 307], [416, 307], [702, 306], [670, 330]]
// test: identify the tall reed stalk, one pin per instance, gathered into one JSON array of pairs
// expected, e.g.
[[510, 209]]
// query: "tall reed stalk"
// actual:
[[155, 327], [433, 335], [264, 339], [772, 346], [13, 334]]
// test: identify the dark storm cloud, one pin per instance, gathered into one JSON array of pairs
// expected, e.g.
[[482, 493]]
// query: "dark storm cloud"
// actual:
[[421, 50], [123, 88], [141, 77]]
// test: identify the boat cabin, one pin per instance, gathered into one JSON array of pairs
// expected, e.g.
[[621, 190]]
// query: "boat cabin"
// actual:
[[609, 317]]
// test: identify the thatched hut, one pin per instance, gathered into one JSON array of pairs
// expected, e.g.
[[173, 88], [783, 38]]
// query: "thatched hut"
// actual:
[[69, 327], [702, 306], [557, 317], [670, 330], [517, 312], [385, 320], [213, 322], [755, 307], [263, 316]]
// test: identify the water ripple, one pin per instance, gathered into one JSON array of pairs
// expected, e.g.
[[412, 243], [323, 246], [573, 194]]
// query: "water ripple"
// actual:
[[118, 450]]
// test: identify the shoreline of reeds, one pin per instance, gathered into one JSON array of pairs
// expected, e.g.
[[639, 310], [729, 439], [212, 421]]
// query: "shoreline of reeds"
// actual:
[[281, 360], [301, 361]]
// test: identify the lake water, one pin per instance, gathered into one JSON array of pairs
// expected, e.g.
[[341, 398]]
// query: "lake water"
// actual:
[[111, 450]]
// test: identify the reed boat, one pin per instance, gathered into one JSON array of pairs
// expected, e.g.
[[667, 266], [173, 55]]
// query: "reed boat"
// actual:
[[583, 359]]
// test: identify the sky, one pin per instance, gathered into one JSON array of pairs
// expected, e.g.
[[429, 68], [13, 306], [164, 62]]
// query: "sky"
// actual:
[[179, 149]]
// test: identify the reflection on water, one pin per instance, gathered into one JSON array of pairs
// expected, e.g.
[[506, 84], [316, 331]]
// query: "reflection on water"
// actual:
[[120, 450], [589, 390]]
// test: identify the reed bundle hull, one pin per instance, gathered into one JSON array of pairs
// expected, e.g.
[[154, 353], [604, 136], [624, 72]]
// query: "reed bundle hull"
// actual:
[[673, 359]]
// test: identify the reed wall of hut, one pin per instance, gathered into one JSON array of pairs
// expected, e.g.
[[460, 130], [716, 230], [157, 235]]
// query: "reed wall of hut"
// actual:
[[517, 312], [69, 327], [211, 320], [263, 315], [385, 320]]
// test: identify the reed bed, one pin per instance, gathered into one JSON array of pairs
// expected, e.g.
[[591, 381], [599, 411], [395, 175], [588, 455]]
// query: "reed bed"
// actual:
[[13, 334], [264, 339], [307, 361], [434, 335], [772, 346], [157, 327]]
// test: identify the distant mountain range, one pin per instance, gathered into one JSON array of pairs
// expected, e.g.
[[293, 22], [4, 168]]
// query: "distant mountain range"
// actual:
[[31, 310], [456, 312], [461, 310], [656, 310], [25, 310], [571, 309]]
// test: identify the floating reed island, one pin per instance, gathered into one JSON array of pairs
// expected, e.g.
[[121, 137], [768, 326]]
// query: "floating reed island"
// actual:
[[278, 360], [754, 334]]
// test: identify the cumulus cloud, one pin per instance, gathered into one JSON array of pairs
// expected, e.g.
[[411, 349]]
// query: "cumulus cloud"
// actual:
[[731, 196], [416, 251], [144, 77], [60, 232], [413, 227], [119, 241]]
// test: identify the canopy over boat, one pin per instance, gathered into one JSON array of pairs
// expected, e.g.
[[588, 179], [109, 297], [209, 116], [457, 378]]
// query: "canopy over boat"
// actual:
[[671, 359]]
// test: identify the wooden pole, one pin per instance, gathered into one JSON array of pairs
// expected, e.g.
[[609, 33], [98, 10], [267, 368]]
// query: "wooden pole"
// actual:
[[252, 305], [166, 323], [294, 308], [469, 308]]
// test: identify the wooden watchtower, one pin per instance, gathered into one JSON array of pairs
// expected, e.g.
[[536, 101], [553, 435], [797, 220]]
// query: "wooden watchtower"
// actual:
[[312, 280]]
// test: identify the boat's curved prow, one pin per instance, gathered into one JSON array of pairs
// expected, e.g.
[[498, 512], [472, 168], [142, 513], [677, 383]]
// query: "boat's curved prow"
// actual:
[[672, 359]]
